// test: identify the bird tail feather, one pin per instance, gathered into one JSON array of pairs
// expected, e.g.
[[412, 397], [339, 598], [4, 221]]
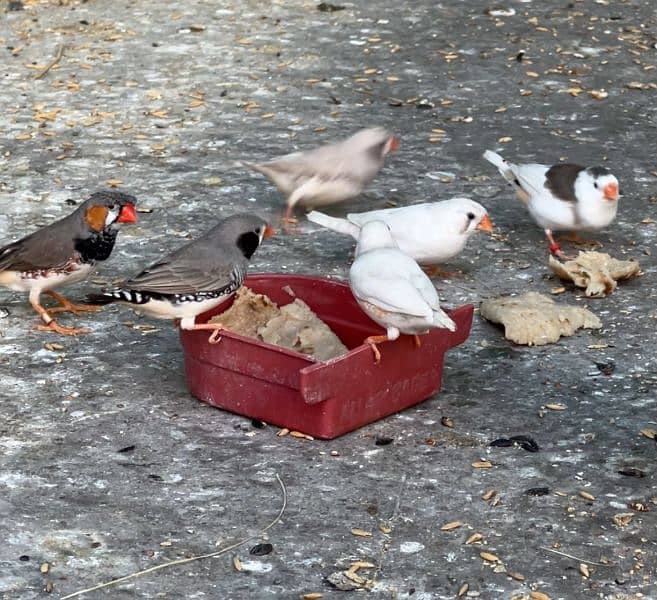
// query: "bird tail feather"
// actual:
[[441, 319], [334, 223]]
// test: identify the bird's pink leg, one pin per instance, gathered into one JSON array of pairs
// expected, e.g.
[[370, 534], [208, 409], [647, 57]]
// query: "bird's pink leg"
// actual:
[[575, 238], [555, 249], [372, 341], [50, 323], [68, 306], [418, 341], [214, 338], [435, 271]]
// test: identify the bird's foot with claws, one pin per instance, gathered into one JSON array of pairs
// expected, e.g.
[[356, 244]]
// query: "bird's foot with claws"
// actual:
[[372, 342], [68, 306], [62, 330]]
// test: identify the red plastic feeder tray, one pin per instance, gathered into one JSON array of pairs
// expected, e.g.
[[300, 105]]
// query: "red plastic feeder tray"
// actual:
[[322, 399]]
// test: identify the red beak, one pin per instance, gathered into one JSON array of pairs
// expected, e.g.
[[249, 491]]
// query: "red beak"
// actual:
[[393, 144], [128, 214], [269, 231], [611, 191]]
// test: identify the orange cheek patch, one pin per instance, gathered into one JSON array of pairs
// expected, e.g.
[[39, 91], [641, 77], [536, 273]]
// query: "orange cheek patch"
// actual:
[[96, 216]]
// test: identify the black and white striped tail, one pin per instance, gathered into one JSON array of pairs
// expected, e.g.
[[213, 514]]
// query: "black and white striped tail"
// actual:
[[129, 296]]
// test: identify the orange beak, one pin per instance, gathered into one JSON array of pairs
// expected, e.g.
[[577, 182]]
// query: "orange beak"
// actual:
[[611, 191], [485, 224], [128, 214], [393, 144], [269, 231]]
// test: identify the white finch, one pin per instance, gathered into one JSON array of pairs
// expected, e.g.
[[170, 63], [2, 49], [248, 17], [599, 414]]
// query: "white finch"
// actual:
[[430, 233], [392, 289], [331, 173], [562, 197]]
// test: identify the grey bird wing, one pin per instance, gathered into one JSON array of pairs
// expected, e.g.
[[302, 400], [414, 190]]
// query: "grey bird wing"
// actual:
[[182, 277], [52, 247]]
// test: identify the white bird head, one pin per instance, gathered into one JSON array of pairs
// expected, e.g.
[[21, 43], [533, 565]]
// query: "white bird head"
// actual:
[[466, 216], [376, 140], [373, 235], [597, 183]]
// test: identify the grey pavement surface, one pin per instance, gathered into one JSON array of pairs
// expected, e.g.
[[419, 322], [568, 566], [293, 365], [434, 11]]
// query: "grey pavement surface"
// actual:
[[160, 99]]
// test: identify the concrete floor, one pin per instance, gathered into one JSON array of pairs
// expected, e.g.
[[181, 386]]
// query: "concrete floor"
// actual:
[[161, 99]]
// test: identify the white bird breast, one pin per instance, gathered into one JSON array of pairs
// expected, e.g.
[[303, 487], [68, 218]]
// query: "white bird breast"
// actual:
[[163, 309], [21, 282]]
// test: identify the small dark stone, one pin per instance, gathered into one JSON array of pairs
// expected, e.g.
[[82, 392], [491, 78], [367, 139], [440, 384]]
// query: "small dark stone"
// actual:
[[155, 477], [83, 22], [126, 449], [631, 472], [372, 509], [24, 557], [538, 491], [96, 544], [501, 443], [525, 442], [15, 5], [383, 441], [335, 100], [520, 56], [424, 103], [223, 93], [258, 424], [606, 368], [261, 549], [328, 7], [411, 591]]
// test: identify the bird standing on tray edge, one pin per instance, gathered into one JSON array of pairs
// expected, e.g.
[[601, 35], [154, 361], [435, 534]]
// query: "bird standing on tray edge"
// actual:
[[392, 289], [331, 173], [65, 252], [196, 277], [429, 233], [562, 197]]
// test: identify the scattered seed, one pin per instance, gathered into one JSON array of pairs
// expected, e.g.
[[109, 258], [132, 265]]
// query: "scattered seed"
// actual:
[[516, 576], [282, 432], [447, 422], [505, 140], [463, 590], [482, 464], [587, 496], [237, 563], [361, 532], [623, 519], [584, 570], [53, 346], [556, 406], [451, 525], [44, 568], [385, 528], [312, 596], [301, 436], [261, 549], [474, 538], [50, 587], [638, 506], [631, 472], [650, 433], [488, 557], [598, 94], [538, 596], [488, 494], [557, 290]]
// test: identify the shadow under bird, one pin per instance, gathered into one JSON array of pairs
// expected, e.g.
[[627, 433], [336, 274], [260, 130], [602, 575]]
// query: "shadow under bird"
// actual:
[[196, 277], [392, 289], [65, 252], [430, 233], [331, 173], [563, 197]]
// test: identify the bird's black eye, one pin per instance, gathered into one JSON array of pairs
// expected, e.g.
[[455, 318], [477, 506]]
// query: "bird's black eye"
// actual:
[[595, 185], [111, 208], [471, 216]]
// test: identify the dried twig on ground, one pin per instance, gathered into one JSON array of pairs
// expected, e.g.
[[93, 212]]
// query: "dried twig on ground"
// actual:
[[183, 561], [52, 63]]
